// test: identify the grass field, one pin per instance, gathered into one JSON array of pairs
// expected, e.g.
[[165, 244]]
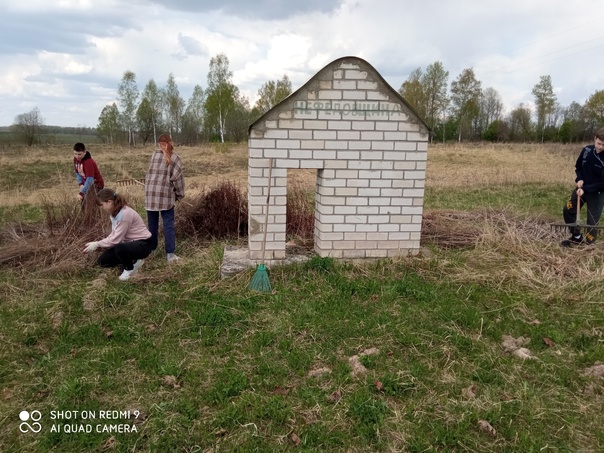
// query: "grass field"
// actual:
[[491, 340]]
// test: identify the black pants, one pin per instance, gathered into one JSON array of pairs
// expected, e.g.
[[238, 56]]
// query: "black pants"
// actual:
[[125, 253], [595, 204]]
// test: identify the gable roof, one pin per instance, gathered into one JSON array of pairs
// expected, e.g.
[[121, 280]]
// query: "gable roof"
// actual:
[[327, 74]]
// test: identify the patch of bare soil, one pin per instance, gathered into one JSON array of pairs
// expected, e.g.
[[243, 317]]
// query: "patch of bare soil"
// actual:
[[596, 371]]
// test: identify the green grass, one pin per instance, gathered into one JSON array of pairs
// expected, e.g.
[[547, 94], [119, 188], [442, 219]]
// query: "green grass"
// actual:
[[202, 364], [202, 361], [533, 199]]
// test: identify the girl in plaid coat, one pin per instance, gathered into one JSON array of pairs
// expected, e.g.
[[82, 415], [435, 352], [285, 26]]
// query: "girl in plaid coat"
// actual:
[[164, 186]]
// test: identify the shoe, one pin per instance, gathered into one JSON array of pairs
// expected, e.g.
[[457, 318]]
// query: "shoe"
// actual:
[[137, 265], [125, 275], [572, 241], [172, 257]]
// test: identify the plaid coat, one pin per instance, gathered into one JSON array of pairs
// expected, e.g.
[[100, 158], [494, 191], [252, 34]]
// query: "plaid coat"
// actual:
[[164, 185]]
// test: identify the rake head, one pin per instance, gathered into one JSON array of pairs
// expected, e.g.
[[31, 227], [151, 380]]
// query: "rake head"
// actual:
[[130, 182], [580, 226]]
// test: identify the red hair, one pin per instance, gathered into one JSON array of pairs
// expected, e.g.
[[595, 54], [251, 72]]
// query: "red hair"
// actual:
[[165, 138]]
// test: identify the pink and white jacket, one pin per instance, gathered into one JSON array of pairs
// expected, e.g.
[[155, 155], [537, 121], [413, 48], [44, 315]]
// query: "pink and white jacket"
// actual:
[[126, 226]]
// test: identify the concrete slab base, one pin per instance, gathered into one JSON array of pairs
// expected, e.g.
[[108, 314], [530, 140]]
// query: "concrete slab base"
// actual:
[[236, 260]]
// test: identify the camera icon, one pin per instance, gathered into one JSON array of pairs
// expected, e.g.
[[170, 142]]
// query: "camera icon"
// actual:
[[35, 417]]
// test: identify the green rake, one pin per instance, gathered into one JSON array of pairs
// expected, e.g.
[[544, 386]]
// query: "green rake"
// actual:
[[260, 281]]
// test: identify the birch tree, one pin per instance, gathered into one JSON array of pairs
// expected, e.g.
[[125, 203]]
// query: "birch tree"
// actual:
[[221, 96], [154, 98], [193, 118], [174, 105], [545, 101], [434, 86], [465, 96], [127, 93]]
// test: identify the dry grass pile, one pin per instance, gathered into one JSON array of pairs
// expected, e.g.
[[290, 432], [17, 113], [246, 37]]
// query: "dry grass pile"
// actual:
[[56, 245], [217, 213], [450, 229], [221, 213], [504, 249]]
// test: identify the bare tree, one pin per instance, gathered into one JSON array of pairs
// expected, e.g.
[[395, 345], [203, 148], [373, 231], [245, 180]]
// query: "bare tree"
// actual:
[[28, 126], [491, 108]]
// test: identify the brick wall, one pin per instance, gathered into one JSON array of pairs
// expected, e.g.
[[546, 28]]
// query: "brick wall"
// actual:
[[369, 149]]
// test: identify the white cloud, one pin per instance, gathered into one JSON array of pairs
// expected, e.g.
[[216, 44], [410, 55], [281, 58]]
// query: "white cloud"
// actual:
[[67, 57]]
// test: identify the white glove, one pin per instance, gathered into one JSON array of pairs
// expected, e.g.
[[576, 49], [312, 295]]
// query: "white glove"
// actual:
[[91, 247]]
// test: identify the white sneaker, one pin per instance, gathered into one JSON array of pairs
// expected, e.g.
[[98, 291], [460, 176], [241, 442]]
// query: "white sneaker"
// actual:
[[172, 257], [125, 275]]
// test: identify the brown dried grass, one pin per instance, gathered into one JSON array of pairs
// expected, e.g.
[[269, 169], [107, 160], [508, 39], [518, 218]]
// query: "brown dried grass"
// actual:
[[502, 249], [300, 215], [488, 164], [56, 245], [516, 247], [216, 213]]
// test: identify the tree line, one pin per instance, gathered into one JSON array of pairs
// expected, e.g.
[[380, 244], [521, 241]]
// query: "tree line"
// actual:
[[218, 113], [463, 110], [457, 111]]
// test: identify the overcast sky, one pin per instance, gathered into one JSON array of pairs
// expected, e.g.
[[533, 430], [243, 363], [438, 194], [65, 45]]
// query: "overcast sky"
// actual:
[[67, 57]]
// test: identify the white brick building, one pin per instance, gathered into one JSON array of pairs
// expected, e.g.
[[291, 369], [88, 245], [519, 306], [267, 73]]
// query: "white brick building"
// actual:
[[369, 149]]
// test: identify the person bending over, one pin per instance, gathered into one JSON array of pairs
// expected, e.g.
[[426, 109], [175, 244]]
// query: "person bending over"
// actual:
[[129, 242], [86, 171]]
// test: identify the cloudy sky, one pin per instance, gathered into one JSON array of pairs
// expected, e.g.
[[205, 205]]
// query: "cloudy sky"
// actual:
[[66, 57]]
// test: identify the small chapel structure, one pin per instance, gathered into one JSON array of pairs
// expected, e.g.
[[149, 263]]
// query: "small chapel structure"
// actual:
[[369, 148]]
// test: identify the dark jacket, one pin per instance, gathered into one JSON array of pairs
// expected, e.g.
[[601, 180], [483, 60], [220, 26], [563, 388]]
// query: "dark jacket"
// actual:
[[590, 168]]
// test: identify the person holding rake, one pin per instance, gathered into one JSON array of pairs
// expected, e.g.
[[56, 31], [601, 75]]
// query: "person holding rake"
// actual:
[[589, 191]]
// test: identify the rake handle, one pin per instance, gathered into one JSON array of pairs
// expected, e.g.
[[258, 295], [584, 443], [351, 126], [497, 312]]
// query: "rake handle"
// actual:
[[578, 217], [268, 197]]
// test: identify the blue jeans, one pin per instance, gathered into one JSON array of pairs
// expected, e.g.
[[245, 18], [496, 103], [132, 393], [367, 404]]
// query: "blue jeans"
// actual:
[[167, 218]]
